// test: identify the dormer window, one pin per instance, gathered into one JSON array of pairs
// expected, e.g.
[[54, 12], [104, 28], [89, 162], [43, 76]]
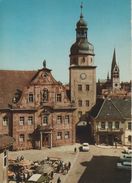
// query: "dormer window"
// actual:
[[58, 97], [30, 97]]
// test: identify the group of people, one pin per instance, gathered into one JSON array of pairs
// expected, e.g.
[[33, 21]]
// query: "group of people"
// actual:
[[63, 167], [19, 158]]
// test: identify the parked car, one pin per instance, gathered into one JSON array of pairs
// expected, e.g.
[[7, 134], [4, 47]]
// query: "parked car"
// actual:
[[85, 147], [124, 165], [128, 150], [126, 157]]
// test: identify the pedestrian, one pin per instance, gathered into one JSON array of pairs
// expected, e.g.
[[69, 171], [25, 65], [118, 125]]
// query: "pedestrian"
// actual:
[[75, 149], [58, 180], [69, 165], [52, 174]]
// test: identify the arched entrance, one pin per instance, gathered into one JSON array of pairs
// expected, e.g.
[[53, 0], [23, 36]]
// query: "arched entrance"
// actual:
[[84, 131]]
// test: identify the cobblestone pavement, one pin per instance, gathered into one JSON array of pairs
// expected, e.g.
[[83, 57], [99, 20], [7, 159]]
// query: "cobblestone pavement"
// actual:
[[96, 166], [66, 153]]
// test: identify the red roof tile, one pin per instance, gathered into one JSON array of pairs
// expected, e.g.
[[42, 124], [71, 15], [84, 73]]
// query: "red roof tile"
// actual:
[[10, 81]]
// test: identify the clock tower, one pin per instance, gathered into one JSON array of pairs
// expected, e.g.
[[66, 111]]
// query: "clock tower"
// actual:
[[82, 71]]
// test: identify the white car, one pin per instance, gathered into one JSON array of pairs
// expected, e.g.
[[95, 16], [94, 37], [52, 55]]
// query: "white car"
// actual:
[[124, 165], [126, 157], [85, 147], [128, 150]]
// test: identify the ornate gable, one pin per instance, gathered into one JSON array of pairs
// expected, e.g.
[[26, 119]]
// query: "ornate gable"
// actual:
[[43, 76]]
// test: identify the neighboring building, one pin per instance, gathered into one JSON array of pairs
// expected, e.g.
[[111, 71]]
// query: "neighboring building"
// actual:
[[82, 71], [35, 109], [5, 143], [112, 121]]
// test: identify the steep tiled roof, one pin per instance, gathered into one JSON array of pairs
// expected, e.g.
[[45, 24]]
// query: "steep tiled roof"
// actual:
[[95, 109], [124, 105], [10, 81], [115, 108]]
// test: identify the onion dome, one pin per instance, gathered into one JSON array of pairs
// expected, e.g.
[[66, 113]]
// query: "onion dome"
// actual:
[[82, 47]]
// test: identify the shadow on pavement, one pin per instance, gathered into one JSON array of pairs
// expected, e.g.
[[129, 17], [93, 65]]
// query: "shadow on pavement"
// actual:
[[102, 169]]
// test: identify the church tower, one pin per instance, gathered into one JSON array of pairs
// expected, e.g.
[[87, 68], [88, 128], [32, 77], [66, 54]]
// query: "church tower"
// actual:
[[82, 71], [115, 77]]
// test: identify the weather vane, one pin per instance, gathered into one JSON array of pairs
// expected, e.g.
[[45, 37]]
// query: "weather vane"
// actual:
[[81, 6]]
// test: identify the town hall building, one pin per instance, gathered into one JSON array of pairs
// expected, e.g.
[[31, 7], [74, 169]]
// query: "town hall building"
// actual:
[[38, 111]]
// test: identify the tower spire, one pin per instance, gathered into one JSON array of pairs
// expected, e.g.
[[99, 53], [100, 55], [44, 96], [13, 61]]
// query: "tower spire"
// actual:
[[81, 6], [113, 60]]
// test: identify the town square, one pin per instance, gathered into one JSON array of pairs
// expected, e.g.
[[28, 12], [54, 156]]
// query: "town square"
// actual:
[[65, 91]]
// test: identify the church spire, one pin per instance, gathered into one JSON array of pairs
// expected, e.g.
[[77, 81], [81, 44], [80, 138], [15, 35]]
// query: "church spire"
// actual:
[[113, 60]]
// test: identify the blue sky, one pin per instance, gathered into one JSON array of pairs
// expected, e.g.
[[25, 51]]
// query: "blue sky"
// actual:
[[34, 30]]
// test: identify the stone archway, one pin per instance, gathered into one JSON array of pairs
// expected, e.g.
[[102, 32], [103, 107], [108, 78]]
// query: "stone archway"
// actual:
[[84, 130]]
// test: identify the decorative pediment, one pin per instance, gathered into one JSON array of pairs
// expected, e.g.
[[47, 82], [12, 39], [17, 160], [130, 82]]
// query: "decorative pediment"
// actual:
[[43, 76]]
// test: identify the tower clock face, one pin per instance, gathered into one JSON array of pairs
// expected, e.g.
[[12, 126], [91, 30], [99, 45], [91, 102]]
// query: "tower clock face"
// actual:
[[83, 76]]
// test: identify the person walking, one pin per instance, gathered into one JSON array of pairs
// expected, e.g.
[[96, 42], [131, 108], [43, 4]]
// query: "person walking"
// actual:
[[69, 165], [75, 149], [58, 180]]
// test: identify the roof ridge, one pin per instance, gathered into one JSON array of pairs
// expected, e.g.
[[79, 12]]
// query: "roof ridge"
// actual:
[[117, 109], [19, 70], [101, 108]]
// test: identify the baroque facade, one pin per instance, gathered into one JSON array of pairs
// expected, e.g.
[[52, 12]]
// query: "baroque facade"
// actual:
[[39, 115]]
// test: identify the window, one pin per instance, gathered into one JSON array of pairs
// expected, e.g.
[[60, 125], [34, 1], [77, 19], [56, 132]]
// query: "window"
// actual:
[[29, 137], [67, 119], [129, 125], [67, 135], [87, 103], [102, 125], [44, 95], [21, 138], [5, 121], [79, 114], [83, 60], [87, 87], [5, 158], [80, 103], [116, 125], [30, 97], [30, 120], [79, 87], [59, 135], [129, 138], [110, 125], [45, 120], [21, 120], [59, 119], [58, 97]]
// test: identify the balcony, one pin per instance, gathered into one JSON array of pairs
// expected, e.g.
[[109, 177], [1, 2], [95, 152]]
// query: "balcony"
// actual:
[[46, 104], [46, 128], [110, 130]]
